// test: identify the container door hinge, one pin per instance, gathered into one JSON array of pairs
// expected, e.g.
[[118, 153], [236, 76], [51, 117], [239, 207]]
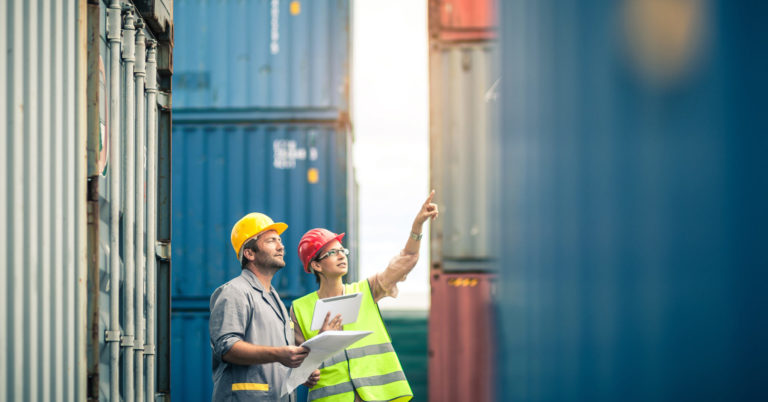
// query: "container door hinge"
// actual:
[[149, 349], [112, 336], [163, 250]]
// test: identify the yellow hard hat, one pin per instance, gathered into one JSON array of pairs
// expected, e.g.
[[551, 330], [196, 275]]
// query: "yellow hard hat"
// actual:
[[252, 225]]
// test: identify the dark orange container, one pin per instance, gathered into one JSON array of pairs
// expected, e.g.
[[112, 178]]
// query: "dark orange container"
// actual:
[[463, 20], [462, 338]]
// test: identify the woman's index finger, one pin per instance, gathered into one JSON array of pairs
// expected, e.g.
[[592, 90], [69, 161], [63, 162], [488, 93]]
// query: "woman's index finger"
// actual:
[[429, 198]]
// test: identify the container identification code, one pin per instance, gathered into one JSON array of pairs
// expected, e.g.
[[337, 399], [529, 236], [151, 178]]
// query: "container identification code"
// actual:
[[287, 152]]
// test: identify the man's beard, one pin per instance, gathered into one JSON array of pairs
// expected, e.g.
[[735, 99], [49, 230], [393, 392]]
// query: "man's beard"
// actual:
[[267, 261]]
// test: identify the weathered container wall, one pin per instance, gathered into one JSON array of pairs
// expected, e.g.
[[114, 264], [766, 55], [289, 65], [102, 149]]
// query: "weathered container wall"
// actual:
[[634, 151], [462, 338], [262, 54], [42, 201], [463, 126]]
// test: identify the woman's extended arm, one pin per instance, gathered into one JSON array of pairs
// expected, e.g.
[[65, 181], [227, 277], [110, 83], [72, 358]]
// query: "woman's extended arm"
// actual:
[[385, 283]]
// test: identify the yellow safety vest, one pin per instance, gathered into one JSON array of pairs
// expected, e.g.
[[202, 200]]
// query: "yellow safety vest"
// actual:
[[368, 366]]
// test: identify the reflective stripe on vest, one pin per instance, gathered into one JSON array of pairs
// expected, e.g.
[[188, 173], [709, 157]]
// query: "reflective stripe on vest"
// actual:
[[355, 353], [376, 373], [363, 382]]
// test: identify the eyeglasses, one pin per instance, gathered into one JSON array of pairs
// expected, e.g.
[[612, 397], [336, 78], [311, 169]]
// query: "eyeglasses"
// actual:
[[333, 252]]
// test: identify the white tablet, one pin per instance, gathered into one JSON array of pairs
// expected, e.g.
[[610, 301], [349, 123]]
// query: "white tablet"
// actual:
[[347, 305]]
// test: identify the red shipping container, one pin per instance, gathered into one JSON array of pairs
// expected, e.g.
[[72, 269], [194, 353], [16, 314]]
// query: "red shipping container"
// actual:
[[462, 338], [463, 20]]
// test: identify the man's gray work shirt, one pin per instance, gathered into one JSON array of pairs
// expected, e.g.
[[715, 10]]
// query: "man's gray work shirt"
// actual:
[[242, 310]]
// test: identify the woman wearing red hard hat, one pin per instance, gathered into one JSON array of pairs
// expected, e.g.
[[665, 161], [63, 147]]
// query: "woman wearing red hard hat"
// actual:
[[369, 368]]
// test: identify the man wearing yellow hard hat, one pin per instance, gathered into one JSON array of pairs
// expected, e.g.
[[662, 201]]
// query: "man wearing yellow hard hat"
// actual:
[[251, 332]]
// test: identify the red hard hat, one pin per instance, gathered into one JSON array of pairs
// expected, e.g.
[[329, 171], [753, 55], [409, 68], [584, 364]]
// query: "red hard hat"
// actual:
[[312, 242]]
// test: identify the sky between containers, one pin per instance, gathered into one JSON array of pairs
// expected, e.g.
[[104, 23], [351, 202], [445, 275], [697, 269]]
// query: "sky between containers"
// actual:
[[390, 111]]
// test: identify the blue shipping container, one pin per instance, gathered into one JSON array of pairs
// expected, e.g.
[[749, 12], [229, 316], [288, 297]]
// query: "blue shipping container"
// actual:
[[262, 54], [295, 173], [636, 186]]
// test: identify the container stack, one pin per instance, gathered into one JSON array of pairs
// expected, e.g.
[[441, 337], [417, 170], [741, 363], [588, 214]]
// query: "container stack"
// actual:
[[260, 125], [463, 110]]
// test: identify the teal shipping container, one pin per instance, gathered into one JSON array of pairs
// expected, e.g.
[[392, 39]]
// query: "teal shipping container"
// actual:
[[408, 331]]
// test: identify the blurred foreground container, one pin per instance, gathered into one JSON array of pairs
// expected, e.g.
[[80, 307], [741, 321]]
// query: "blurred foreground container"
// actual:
[[85, 206], [635, 193]]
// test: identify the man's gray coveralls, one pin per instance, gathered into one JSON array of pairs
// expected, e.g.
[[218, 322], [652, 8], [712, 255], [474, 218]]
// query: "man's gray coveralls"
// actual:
[[241, 310]]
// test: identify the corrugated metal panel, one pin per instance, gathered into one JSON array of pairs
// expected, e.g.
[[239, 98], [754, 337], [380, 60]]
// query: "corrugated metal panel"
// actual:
[[43, 182], [463, 20], [463, 127], [191, 366], [637, 185], [408, 330], [296, 173], [261, 54], [462, 338]]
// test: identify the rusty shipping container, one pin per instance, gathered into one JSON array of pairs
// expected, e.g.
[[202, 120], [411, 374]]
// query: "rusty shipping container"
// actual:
[[463, 20], [85, 105], [462, 338]]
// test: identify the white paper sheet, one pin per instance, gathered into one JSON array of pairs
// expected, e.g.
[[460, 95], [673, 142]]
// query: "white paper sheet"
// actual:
[[321, 348]]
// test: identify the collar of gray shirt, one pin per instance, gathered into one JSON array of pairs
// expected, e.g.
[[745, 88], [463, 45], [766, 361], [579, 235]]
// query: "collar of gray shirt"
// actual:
[[273, 301]]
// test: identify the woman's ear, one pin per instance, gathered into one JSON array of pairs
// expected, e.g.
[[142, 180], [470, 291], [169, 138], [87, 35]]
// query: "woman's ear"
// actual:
[[314, 265]]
